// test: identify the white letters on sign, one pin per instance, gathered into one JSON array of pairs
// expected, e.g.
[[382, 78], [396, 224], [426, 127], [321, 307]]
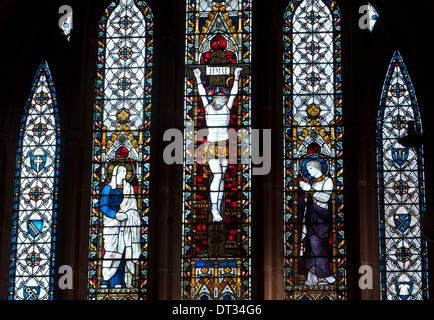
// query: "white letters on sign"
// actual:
[[217, 71]]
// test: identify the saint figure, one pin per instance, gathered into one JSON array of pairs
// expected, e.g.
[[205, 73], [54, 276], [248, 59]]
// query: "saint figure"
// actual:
[[121, 230], [316, 218], [216, 148]]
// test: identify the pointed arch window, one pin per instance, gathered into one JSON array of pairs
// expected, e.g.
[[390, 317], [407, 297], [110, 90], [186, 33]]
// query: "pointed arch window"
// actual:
[[36, 194], [216, 259], [313, 150], [121, 153], [401, 189]]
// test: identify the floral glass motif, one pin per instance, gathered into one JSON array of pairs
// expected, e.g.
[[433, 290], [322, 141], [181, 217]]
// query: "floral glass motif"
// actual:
[[313, 141], [401, 196], [121, 152], [36, 194], [216, 254]]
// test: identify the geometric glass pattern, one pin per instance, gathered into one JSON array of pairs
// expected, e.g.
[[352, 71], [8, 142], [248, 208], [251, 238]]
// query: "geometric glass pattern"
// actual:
[[315, 254], [118, 245], [216, 249], [401, 190], [36, 194]]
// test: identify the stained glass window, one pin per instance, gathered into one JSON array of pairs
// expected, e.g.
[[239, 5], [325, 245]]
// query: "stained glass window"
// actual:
[[401, 189], [65, 22], [121, 151], [36, 194], [216, 256], [371, 17], [313, 132]]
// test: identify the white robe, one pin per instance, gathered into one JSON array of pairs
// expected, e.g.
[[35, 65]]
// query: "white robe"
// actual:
[[120, 236]]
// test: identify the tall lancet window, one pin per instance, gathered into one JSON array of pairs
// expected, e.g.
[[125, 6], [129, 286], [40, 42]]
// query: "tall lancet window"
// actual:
[[216, 256], [121, 150], [401, 189], [36, 194], [313, 173]]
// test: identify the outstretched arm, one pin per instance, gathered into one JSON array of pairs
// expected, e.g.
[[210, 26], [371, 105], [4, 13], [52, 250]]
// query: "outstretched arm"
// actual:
[[235, 87], [200, 87]]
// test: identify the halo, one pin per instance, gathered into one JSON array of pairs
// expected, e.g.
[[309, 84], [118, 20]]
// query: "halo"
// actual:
[[213, 90], [313, 157], [120, 162], [228, 83]]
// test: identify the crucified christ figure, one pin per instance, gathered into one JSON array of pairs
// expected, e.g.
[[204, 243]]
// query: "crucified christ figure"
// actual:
[[216, 149]]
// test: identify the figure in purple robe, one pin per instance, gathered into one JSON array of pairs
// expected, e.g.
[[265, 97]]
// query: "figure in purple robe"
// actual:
[[315, 215]]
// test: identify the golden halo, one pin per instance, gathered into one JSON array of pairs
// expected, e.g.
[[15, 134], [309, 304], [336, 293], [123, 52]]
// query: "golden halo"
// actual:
[[126, 164], [227, 81]]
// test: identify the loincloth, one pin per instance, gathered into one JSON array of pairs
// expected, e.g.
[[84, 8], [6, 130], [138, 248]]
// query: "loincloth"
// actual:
[[213, 150]]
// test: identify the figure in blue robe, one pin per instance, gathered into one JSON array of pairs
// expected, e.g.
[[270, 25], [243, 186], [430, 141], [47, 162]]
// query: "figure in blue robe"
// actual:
[[110, 202], [121, 231]]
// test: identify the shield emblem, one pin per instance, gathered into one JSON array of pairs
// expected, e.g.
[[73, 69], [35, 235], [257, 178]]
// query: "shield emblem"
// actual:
[[31, 293], [400, 155], [404, 289], [38, 162], [402, 221], [35, 227]]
